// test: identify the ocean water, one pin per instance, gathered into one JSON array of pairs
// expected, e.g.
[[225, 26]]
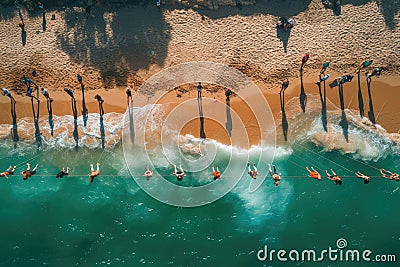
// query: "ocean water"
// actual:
[[113, 222]]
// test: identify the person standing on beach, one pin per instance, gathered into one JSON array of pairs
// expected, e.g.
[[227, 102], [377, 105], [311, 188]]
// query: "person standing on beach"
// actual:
[[304, 60], [228, 94], [5, 92], [323, 78], [365, 64], [376, 72], [94, 173], [28, 173], [79, 78], [285, 85], [128, 95], [29, 93], [274, 174], [45, 93], [199, 90], [324, 67], [333, 177]]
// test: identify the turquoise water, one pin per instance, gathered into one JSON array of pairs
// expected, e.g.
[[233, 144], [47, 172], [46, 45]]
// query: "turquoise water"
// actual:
[[70, 222]]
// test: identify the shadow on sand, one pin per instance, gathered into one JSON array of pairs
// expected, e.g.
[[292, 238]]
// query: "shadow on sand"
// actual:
[[371, 114], [102, 133], [75, 113], [285, 124], [322, 96], [228, 124], [303, 95], [343, 121], [50, 110], [14, 129], [38, 135], [84, 109], [200, 106], [360, 96]]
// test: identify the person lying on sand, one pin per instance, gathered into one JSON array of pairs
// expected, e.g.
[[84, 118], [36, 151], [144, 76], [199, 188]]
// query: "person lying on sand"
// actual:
[[216, 173], [148, 173], [362, 176], [179, 174], [94, 173], [253, 173], [274, 174], [9, 171], [62, 173], [28, 173], [334, 177], [389, 175], [313, 173]]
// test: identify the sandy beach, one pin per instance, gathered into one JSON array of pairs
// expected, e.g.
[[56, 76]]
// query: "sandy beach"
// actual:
[[114, 49]]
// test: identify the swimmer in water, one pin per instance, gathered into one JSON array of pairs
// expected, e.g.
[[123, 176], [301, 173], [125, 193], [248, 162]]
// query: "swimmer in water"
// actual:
[[253, 174], [179, 174], [62, 173], [94, 173], [9, 171], [216, 173], [148, 173], [334, 177], [362, 176], [274, 174], [28, 172], [313, 173], [389, 175]]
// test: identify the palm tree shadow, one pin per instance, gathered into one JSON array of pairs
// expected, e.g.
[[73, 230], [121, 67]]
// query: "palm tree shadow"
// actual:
[[285, 124], [228, 124], [322, 96], [303, 95], [360, 96], [200, 106], [343, 121], [371, 114]]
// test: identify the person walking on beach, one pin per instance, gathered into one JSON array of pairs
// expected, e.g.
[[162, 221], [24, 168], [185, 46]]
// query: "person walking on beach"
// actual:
[[5, 92], [389, 175], [94, 173], [285, 85], [45, 93], [128, 95], [100, 101], [179, 174], [334, 177], [253, 174], [79, 78], [274, 174], [70, 93], [63, 173], [362, 176], [313, 173], [199, 90], [216, 173], [9, 171], [228, 94], [323, 78], [28, 172], [148, 173], [324, 67], [304, 60]]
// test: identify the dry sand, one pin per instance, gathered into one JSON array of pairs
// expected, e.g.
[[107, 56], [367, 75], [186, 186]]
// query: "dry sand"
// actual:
[[113, 49]]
